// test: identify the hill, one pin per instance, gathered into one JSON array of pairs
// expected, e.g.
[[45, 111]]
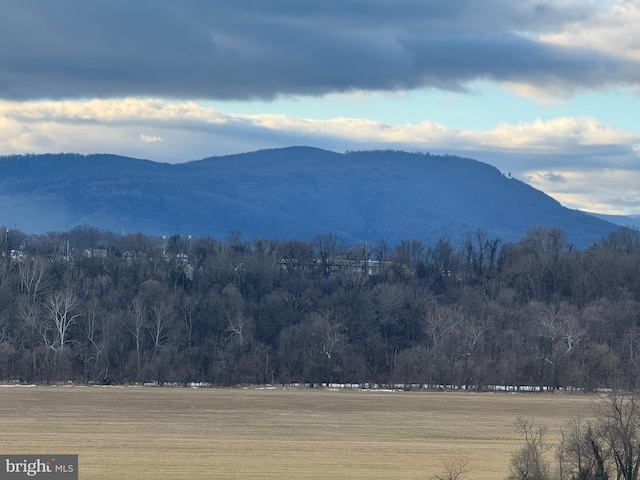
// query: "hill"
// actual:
[[294, 192], [630, 221]]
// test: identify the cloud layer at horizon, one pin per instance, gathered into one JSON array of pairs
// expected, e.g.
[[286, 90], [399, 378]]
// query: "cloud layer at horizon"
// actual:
[[160, 80]]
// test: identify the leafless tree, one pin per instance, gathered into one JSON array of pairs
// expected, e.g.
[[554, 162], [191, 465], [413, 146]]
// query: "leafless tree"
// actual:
[[4, 321], [62, 306], [136, 326], [442, 320], [618, 424], [161, 316], [31, 271], [328, 331], [38, 334], [559, 323], [326, 246], [469, 340], [189, 306], [454, 470], [4, 273], [239, 325], [388, 300], [324, 343], [581, 456], [97, 331], [31, 314], [606, 447], [529, 463]]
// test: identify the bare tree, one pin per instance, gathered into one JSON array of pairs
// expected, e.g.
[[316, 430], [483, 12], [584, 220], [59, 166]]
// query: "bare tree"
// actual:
[[599, 450], [329, 332], [388, 301], [4, 323], [137, 325], [443, 320], [4, 273], [97, 331], [189, 307], [161, 316], [580, 453], [31, 314], [528, 463], [62, 306], [454, 470], [618, 421], [31, 271], [328, 338], [326, 246], [469, 342], [440, 256], [38, 334], [409, 253], [240, 325], [559, 324]]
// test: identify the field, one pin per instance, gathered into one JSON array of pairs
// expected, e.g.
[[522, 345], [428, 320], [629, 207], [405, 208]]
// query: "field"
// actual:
[[171, 433]]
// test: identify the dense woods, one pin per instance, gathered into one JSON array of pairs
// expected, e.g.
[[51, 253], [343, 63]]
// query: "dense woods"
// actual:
[[94, 306]]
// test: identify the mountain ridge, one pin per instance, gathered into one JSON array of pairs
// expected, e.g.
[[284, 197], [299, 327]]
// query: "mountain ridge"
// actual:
[[292, 192]]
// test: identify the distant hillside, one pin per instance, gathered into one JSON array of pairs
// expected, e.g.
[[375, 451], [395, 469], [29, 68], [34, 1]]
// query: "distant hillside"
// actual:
[[631, 221], [294, 192]]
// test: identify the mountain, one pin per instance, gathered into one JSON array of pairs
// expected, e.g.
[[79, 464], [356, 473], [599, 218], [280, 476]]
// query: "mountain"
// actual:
[[631, 221], [294, 192]]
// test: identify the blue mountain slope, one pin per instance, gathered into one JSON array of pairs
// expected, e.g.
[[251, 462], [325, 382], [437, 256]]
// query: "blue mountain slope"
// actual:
[[293, 192], [631, 221]]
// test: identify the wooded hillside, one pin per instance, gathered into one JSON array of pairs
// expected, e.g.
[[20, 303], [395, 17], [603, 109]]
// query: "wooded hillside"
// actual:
[[93, 306], [293, 192]]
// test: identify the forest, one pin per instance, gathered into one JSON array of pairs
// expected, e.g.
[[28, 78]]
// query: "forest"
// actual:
[[94, 306]]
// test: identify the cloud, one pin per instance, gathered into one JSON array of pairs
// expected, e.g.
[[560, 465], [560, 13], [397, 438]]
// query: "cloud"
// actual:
[[612, 191], [555, 135], [550, 177], [613, 30], [150, 138], [190, 49], [24, 124]]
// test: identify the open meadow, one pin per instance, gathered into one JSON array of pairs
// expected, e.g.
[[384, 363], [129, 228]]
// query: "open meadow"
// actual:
[[171, 433]]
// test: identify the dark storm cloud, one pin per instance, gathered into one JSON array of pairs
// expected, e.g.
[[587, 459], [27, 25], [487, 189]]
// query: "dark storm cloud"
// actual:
[[257, 49]]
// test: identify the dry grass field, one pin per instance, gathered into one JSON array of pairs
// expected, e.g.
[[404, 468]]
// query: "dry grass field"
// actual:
[[182, 433]]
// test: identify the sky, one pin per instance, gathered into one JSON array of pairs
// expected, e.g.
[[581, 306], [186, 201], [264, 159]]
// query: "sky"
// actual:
[[545, 90]]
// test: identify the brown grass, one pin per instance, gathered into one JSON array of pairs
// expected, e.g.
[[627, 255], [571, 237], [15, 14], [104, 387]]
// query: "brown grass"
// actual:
[[171, 433]]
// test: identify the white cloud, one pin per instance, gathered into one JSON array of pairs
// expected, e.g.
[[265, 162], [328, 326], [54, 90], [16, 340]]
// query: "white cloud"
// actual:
[[108, 110], [610, 32], [613, 30], [547, 95], [23, 123], [562, 135], [150, 138], [612, 191]]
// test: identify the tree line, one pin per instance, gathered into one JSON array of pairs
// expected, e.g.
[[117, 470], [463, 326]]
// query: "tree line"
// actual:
[[94, 306]]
